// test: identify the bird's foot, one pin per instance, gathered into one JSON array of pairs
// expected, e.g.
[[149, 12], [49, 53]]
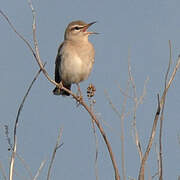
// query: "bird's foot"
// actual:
[[79, 100], [60, 85]]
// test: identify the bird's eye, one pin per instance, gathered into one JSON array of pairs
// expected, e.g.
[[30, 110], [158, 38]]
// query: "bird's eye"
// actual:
[[76, 28]]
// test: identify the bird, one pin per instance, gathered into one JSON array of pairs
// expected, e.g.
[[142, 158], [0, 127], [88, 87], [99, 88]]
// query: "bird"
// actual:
[[75, 57]]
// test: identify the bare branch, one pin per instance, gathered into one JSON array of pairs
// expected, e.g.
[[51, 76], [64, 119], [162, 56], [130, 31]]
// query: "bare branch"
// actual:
[[136, 103], [153, 132], [117, 177], [12, 162], [58, 145], [122, 133], [39, 170], [124, 93], [15, 127], [158, 159], [17, 155], [20, 36], [162, 116], [92, 102], [26, 166], [121, 117], [160, 106], [96, 156]]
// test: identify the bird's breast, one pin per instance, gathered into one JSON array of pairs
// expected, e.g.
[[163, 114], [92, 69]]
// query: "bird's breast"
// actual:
[[75, 69]]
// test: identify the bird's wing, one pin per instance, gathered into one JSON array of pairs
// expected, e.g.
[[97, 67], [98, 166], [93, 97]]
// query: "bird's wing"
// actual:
[[58, 64]]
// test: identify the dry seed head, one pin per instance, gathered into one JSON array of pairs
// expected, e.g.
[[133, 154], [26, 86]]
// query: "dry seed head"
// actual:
[[91, 90]]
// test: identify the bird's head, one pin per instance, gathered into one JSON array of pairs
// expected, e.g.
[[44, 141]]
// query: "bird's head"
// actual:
[[77, 30]]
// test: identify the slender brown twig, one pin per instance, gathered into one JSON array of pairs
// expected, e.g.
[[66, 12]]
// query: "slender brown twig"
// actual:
[[162, 116], [58, 145]]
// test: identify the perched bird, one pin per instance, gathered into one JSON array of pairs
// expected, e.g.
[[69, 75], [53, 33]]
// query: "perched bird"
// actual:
[[75, 56]]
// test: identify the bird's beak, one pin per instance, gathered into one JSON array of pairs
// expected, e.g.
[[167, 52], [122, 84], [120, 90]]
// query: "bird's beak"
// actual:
[[87, 26]]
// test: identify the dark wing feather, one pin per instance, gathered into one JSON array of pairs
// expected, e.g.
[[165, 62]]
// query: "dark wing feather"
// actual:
[[58, 79], [57, 65]]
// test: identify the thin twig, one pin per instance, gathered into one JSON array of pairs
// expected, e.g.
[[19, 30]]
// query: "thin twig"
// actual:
[[12, 162], [122, 133], [170, 80], [158, 159], [17, 155], [15, 127], [117, 176], [96, 139], [26, 166], [39, 170], [136, 104], [121, 117], [124, 93], [153, 132], [58, 145], [96, 156], [20, 36], [162, 116], [160, 105]]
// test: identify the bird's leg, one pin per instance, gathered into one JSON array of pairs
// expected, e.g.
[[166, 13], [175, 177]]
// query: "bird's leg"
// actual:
[[79, 93], [79, 89]]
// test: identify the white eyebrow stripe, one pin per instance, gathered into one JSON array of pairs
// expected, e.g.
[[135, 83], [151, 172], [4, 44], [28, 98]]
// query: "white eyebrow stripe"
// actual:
[[80, 26]]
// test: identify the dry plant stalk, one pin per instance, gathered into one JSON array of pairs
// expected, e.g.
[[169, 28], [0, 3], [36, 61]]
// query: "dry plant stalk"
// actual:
[[60, 86], [58, 145], [39, 170], [137, 101], [121, 116], [26, 166], [14, 148], [162, 116], [90, 93], [161, 103]]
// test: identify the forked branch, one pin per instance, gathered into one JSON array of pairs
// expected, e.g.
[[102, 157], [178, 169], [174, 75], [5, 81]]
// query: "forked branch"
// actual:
[[159, 110]]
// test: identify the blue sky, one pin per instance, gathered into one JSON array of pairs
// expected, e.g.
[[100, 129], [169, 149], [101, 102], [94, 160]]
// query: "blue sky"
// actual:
[[141, 28]]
